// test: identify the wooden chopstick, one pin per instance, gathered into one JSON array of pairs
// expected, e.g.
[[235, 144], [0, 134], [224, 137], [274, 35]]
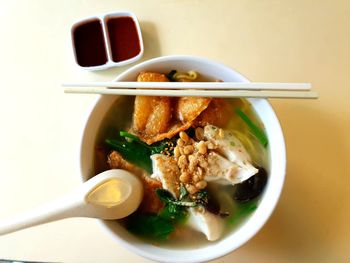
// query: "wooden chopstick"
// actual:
[[195, 93], [194, 85]]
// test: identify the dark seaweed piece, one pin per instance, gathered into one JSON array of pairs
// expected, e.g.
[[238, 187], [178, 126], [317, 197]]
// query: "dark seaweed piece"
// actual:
[[250, 188]]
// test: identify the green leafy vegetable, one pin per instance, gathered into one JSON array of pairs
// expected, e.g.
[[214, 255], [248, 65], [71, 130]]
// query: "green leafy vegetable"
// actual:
[[152, 226], [167, 198], [132, 137], [202, 197], [174, 213], [138, 152], [257, 131], [132, 152], [163, 146], [161, 225], [171, 75], [242, 211], [183, 192]]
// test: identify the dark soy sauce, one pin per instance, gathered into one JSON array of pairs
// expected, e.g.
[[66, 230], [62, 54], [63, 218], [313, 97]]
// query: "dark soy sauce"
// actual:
[[89, 44]]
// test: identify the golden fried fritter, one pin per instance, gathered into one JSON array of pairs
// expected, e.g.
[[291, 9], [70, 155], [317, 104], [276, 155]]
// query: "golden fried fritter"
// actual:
[[217, 114], [159, 119], [188, 108], [145, 76], [142, 111], [154, 119], [174, 129]]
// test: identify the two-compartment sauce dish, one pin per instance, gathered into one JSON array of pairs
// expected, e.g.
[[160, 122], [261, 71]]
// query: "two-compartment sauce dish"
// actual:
[[107, 40]]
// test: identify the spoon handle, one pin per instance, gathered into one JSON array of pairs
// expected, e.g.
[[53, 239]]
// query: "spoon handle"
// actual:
[[56, 210]]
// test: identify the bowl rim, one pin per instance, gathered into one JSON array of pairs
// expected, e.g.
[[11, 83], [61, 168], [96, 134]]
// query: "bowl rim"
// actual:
[[260, 215]]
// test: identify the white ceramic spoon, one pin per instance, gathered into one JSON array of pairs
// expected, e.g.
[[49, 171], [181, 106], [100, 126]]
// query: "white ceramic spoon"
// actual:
[[112, 194]]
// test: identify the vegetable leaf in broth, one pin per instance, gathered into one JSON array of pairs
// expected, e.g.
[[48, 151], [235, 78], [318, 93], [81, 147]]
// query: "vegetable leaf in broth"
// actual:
[[152, 226], [167, 198], [131, 137], [242, 211], [138, 152], [161, 225], [171, 75], [183, 192], [165, 146], [256, 130], [158, 147], [174, 213], [133, 153]]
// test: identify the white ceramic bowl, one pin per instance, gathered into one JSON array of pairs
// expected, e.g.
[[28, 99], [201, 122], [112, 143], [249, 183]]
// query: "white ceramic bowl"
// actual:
[[268, 200]]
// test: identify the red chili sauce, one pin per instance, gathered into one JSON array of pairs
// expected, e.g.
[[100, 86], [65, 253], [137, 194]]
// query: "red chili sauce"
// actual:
[[124, 39], [89, 44]]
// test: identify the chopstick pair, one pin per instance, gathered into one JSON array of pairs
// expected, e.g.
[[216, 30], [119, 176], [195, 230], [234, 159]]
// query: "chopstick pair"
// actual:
[[196, 89]]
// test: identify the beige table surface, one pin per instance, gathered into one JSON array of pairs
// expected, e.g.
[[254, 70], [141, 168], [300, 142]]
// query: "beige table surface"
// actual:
[[287, 41]]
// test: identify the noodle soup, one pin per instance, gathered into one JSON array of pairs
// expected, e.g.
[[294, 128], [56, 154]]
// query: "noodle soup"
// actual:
[[218, 194], [242, 230]]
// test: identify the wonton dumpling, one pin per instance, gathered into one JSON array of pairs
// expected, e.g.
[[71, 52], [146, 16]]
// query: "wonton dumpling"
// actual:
[[212, 226], [231, 148], [166, 171]]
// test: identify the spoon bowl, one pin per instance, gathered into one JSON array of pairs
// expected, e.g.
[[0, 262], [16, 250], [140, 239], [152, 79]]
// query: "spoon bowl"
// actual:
[[112, 194]]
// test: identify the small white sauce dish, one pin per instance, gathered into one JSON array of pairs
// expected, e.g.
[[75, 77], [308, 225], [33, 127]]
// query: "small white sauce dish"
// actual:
[[107, 40]]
